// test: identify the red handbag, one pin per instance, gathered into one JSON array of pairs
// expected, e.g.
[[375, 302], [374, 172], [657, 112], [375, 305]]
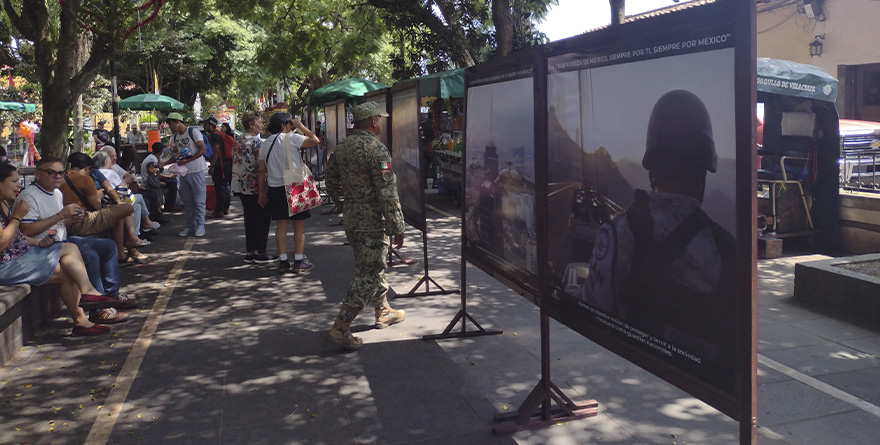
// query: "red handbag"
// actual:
[[302, 193]]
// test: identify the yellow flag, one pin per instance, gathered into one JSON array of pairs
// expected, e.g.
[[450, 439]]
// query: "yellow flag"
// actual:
[[155, 83]]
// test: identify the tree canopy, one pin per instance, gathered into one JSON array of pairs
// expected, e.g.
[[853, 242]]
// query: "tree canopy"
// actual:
[[236, 51]]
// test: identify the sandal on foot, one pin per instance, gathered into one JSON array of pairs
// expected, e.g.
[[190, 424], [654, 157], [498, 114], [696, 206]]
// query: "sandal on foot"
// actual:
[[128, 261], [95, 329], [109, 316]]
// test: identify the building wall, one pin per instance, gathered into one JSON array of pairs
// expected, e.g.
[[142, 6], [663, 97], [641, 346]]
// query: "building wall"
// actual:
[[851, 30]]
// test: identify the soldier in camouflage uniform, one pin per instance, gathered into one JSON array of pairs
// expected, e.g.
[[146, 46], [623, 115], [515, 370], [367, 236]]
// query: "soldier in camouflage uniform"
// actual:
[[360, 179]]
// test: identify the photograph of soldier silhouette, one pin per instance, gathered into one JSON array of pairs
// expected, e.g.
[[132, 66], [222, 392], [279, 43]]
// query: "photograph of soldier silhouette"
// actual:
[[649, 205]]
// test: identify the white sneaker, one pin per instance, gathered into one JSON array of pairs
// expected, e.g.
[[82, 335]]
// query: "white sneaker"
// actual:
[[185, 232], [200, 231]]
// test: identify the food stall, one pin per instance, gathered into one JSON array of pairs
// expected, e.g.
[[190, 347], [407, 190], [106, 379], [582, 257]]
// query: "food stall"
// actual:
[[441, 128]]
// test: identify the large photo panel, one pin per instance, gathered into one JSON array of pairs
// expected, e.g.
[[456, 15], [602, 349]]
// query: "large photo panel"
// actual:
[[500, 233], [642, 202], [406, 157]]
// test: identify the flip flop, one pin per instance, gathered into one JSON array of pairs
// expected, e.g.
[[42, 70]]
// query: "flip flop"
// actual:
[[128, 261]]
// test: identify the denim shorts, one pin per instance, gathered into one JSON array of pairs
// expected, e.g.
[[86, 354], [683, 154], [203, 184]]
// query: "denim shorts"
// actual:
[[34, 267]]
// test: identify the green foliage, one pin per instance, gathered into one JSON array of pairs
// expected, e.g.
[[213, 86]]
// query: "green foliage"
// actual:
[[25, 94], [97, 97], [231, 51]]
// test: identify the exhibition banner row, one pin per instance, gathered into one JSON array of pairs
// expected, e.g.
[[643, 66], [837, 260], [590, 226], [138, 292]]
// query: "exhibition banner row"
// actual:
[[602, 183]]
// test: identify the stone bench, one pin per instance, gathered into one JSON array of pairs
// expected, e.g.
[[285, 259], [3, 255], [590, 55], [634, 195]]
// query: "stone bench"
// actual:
[[23, 310], [849, 284]]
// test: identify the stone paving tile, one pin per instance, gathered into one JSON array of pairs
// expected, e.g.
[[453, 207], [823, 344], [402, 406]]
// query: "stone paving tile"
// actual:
[[492, 386], [863, 383], [857, 427], [790, 401], [164, 432], [868, 345], [835, 330], [312, 431], [772, 337], [824, 359], [785, 313], [374, 398], [297, 396], [768, 375]]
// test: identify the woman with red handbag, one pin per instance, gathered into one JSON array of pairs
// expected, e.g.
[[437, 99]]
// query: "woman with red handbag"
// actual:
[[280, 153]]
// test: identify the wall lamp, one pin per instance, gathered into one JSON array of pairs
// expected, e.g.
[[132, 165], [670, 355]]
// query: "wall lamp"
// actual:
[[816, 46]]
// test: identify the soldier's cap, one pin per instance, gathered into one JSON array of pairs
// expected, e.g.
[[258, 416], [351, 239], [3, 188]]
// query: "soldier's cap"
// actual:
[[102, 122], [367, 110], [175, 116], [211, 120]]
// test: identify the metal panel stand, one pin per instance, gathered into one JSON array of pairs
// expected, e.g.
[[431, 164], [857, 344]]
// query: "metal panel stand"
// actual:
[[462, 316], [426, 279], [538, 409], [401, 260]]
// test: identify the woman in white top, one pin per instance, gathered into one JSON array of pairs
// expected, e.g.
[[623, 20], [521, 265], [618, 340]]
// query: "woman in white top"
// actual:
[[141, 217], [273, 159]]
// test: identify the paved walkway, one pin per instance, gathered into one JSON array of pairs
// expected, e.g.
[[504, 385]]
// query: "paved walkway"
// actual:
[[224, 352]]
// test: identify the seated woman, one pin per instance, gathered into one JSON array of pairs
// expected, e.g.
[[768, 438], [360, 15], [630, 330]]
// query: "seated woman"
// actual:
[[122, 184], [35, 262]]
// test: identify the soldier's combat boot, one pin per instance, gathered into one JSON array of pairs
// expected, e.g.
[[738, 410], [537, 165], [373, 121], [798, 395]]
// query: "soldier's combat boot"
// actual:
[[385, 316], [340, 333]]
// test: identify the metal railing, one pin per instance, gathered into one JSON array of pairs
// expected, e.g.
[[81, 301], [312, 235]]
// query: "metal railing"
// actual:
[[858, 170]]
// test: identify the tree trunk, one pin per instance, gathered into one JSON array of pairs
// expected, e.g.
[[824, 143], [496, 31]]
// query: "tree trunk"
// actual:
[[56, 116], [54, 59], [618, 12], [503, 19], [455, 34]]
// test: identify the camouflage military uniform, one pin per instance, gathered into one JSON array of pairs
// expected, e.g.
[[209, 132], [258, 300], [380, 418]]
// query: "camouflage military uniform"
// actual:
[[359, 177]]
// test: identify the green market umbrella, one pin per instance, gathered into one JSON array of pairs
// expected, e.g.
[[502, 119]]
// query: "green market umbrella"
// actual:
[[17, 106], [443, 85], [343, 89], [146, 102]]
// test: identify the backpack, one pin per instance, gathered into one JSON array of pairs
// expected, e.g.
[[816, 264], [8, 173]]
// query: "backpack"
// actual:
[[228, 143], [208, 150]]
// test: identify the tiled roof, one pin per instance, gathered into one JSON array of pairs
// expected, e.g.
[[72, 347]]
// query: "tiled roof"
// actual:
[[668, 10]]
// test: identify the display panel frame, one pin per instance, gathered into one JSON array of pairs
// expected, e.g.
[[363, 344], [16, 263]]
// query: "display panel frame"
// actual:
[[504, 72], [643, 41], [407, 156], [331, 127]]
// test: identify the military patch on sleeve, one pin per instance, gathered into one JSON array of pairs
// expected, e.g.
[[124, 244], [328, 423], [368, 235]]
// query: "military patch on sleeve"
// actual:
[[386, 166]]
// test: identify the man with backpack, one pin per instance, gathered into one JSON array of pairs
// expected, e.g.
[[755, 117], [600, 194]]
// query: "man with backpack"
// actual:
[[221, 165], [189, 150]]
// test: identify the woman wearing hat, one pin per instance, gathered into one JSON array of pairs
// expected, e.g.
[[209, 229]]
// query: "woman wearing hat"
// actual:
[[273, 158]]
